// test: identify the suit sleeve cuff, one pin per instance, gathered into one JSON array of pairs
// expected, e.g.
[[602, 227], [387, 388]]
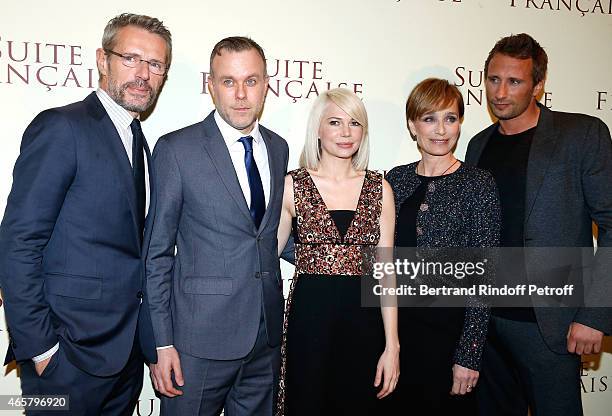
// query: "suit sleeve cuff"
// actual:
[[47, 354]]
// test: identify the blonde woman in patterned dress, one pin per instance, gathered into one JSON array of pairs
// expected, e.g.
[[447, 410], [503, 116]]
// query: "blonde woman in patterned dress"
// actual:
[[338, 357]]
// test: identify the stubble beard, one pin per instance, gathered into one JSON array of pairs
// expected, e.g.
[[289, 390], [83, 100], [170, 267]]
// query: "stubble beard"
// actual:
[[234, 123], [119, 95]]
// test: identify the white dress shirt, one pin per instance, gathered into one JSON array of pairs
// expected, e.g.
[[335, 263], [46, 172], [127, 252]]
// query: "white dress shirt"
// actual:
[[121, 119], [236, 150]]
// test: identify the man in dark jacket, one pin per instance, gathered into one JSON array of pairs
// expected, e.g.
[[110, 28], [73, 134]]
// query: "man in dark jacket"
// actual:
[[554, 175], [71, 259]]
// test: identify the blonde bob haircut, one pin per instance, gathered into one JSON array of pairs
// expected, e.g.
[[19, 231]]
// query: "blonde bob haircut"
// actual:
[[351, 105]]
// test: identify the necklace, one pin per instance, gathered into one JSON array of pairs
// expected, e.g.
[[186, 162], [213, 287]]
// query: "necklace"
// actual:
[[447, 169]]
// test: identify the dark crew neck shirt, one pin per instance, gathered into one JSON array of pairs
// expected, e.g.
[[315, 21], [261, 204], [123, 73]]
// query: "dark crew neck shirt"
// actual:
[[506, 157]]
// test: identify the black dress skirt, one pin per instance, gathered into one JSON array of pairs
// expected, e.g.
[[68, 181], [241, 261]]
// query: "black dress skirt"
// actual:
[[333, 344], [428, 340]]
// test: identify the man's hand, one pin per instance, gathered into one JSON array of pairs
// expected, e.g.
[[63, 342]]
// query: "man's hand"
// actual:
[[41, 365], [582, 339], [168, 362]]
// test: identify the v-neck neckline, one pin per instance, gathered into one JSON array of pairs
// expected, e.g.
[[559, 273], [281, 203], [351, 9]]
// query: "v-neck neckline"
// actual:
[[338, 235]]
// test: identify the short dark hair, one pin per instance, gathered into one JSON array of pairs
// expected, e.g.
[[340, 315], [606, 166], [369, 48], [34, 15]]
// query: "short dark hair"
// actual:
[[150, 24], [522, 46], [237, 44], [432, 94]]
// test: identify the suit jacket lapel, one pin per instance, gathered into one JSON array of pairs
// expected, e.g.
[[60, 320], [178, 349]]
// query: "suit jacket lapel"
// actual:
[[152, 198], [274, 165], [478, 145], [217, 150], [540, 155], [107, 133]]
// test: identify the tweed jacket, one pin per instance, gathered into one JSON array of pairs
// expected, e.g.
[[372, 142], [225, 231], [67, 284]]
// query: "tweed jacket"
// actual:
[[463, 211]]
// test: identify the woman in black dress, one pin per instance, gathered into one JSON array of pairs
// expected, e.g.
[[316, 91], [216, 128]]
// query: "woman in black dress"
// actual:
[[440, 202], [339, 358]]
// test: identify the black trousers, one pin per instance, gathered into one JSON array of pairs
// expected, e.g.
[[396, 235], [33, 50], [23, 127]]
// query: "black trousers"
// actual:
[[519, 371], [88, 395]]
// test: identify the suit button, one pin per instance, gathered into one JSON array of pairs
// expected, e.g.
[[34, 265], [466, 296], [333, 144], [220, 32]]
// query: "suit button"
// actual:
[[140, 295], [257, 275]]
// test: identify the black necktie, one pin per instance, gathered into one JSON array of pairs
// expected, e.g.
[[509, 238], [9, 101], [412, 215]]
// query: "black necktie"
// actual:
[[138, 171], [258, 201]]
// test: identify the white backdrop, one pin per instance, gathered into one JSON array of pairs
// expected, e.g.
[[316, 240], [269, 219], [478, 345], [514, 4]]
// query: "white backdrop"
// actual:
[[380, 49]]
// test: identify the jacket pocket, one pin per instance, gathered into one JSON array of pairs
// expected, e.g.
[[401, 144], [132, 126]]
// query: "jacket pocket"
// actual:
[[208, 285], [51, 365], [73, 286]]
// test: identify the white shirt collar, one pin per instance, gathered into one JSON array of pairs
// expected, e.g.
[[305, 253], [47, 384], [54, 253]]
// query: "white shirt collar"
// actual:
[[120, 117], [231, 135]]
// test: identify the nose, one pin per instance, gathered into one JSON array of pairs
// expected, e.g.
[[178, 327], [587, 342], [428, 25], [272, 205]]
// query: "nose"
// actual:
[[240, 91], [440, 128], [346, 130], [501, 91], [143, 70]]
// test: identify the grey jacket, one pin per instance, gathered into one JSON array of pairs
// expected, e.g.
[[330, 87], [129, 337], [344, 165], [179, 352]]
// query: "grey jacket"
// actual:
[[569, 186], [207, 298]]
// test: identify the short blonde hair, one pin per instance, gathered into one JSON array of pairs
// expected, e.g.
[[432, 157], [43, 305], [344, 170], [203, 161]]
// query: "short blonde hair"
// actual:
[[351, 105]]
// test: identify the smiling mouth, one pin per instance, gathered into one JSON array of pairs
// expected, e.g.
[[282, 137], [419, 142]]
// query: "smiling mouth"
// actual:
[[345, 145]]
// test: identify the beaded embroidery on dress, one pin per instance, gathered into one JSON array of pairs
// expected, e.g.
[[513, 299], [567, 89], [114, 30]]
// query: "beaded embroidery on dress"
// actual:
[[319, 247]]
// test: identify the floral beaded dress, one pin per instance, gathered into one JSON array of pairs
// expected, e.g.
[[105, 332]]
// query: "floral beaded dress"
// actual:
[[331, 344]]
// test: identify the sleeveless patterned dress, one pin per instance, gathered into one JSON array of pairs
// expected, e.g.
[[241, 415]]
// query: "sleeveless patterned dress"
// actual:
[[331, 345]]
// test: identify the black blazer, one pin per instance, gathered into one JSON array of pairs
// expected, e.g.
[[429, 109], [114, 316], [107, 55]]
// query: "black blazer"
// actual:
[[569, 186], [71, 264]]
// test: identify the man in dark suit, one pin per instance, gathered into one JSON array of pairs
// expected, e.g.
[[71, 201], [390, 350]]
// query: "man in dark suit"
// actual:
[[71, 264], [213, 270], [554, 174]]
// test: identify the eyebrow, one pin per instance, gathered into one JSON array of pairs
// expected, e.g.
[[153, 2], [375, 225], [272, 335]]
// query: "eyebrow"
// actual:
[[233, 76], [136, 54], [433, 113], [228, 76]]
